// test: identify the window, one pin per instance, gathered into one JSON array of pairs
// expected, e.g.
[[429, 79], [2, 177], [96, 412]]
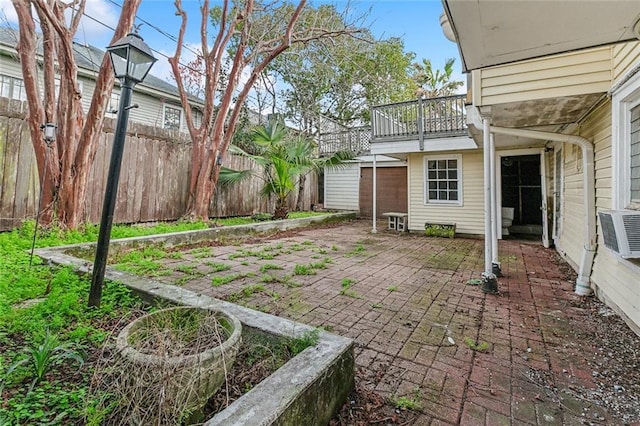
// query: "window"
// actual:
[[12, 88], [625, 144], [172, 117], [443, 179]]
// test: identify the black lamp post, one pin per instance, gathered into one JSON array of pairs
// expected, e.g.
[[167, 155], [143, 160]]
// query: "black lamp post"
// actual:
[[132, 59]]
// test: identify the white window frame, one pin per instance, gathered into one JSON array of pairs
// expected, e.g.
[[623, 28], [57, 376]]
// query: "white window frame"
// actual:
[[425, 180], [164, 116], [624, 99], [15, 87]]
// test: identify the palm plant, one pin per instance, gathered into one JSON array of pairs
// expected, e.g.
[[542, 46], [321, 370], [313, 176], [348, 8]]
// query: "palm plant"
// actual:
[[284, 162], [435, 83]]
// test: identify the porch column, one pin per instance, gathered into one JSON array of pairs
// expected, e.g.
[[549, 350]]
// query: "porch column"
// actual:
[[489, 283], [495, 263], [375, 184]]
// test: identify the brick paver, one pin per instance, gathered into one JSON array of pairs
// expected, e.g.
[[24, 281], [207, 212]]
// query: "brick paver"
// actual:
[[419, 328]]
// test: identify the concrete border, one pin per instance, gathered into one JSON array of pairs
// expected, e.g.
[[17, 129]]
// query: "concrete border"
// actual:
[[309, 389]]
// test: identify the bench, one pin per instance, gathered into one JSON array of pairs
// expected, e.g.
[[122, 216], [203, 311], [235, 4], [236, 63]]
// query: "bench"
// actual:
[[397, 221]]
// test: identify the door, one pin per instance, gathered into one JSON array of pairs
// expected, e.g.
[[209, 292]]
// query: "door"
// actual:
[[522, 191], [391, 190]]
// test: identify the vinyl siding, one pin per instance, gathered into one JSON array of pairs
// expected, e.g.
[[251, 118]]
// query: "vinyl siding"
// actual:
[[469, 217], [625, 57], [341, 187], [568, 74], [617, 280], [149, 112]]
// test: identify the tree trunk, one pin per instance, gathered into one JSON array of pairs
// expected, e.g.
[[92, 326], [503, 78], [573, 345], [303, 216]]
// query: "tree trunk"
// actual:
[[282, 210], [300, 201]]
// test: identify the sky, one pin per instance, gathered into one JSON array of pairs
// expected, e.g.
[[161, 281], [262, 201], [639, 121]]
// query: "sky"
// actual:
[[415, 21]]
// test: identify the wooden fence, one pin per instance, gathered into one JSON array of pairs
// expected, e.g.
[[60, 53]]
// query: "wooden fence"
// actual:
[[153, 181]]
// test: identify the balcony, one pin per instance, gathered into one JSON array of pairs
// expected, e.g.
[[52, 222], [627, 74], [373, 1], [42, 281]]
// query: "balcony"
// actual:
[[404, 127]]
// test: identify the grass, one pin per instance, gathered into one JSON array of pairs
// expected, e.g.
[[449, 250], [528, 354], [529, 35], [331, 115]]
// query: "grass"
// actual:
[[358, 250], [408, 402], [225, 279], [36, 299], [476, 345], [346, 284], [62, 312]]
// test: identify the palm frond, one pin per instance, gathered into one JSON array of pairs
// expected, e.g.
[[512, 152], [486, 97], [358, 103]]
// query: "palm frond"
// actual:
[[229, 176]]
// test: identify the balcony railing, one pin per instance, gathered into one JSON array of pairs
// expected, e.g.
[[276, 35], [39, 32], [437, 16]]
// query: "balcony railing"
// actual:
[[356, 140], [405, 121], [419, 119]]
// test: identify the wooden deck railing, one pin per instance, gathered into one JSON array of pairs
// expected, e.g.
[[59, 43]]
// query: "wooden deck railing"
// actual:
[[419, 119], [356, 140]]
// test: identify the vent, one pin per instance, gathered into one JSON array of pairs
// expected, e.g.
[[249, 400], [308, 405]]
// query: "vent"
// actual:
[[621, 232]]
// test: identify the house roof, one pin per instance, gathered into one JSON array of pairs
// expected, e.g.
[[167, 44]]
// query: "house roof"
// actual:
[[494, 32], [89, 58]]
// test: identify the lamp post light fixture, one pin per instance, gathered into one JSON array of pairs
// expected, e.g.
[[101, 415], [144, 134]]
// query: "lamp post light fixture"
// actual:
[[49, 132], [131, 59]]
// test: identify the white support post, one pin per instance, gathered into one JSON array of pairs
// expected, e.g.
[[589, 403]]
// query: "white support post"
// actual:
[[495, 264], [488, 257], [489, 282], [375, 184]]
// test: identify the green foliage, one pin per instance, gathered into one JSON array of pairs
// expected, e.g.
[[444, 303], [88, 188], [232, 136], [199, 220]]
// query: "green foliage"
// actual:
[[218, 266], [408, 402], [358, 250], [308, 339], [143, 262], [439, 230], [392, 288], [269, 266], [225, 279], [304, 270], [42, 357], [346, 284], [248, 291], [39, 297], [476, 345], [284, 161], [435, 83]]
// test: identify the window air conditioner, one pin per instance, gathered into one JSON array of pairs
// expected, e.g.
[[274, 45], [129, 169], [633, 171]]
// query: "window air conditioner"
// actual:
[[621, 232]]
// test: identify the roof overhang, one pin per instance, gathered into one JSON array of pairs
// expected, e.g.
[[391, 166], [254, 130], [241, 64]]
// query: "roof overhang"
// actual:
[[494, 32]]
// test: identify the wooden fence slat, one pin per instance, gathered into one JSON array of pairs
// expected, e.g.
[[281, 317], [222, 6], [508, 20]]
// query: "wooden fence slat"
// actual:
[[154, 178]]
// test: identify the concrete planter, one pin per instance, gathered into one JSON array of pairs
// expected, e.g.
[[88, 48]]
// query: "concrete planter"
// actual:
[[185, 382]]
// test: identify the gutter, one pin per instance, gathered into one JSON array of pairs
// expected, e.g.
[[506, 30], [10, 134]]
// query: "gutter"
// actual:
[[588, 177]]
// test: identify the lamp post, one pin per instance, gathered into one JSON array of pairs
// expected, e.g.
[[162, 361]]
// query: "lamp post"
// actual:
[[131, 59]]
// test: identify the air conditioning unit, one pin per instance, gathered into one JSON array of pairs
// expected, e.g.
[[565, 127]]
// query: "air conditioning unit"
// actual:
[[621, 232]]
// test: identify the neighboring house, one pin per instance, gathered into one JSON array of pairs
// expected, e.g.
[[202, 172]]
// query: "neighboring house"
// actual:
[[561, 83], [158, 100]]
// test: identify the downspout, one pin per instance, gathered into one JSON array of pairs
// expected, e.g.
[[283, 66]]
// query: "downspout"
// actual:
[[489, 282], [588, 176]]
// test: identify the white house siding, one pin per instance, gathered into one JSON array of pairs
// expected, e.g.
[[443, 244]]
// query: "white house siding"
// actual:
[[567, 74], [342, 187], [617, 281], [469, 217], [625, 55]]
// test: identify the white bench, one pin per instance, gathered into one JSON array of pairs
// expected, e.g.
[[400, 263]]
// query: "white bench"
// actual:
[[397, 221]]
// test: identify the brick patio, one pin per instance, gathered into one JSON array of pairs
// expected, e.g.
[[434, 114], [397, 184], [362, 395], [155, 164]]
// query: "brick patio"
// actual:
[[420, 329]]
